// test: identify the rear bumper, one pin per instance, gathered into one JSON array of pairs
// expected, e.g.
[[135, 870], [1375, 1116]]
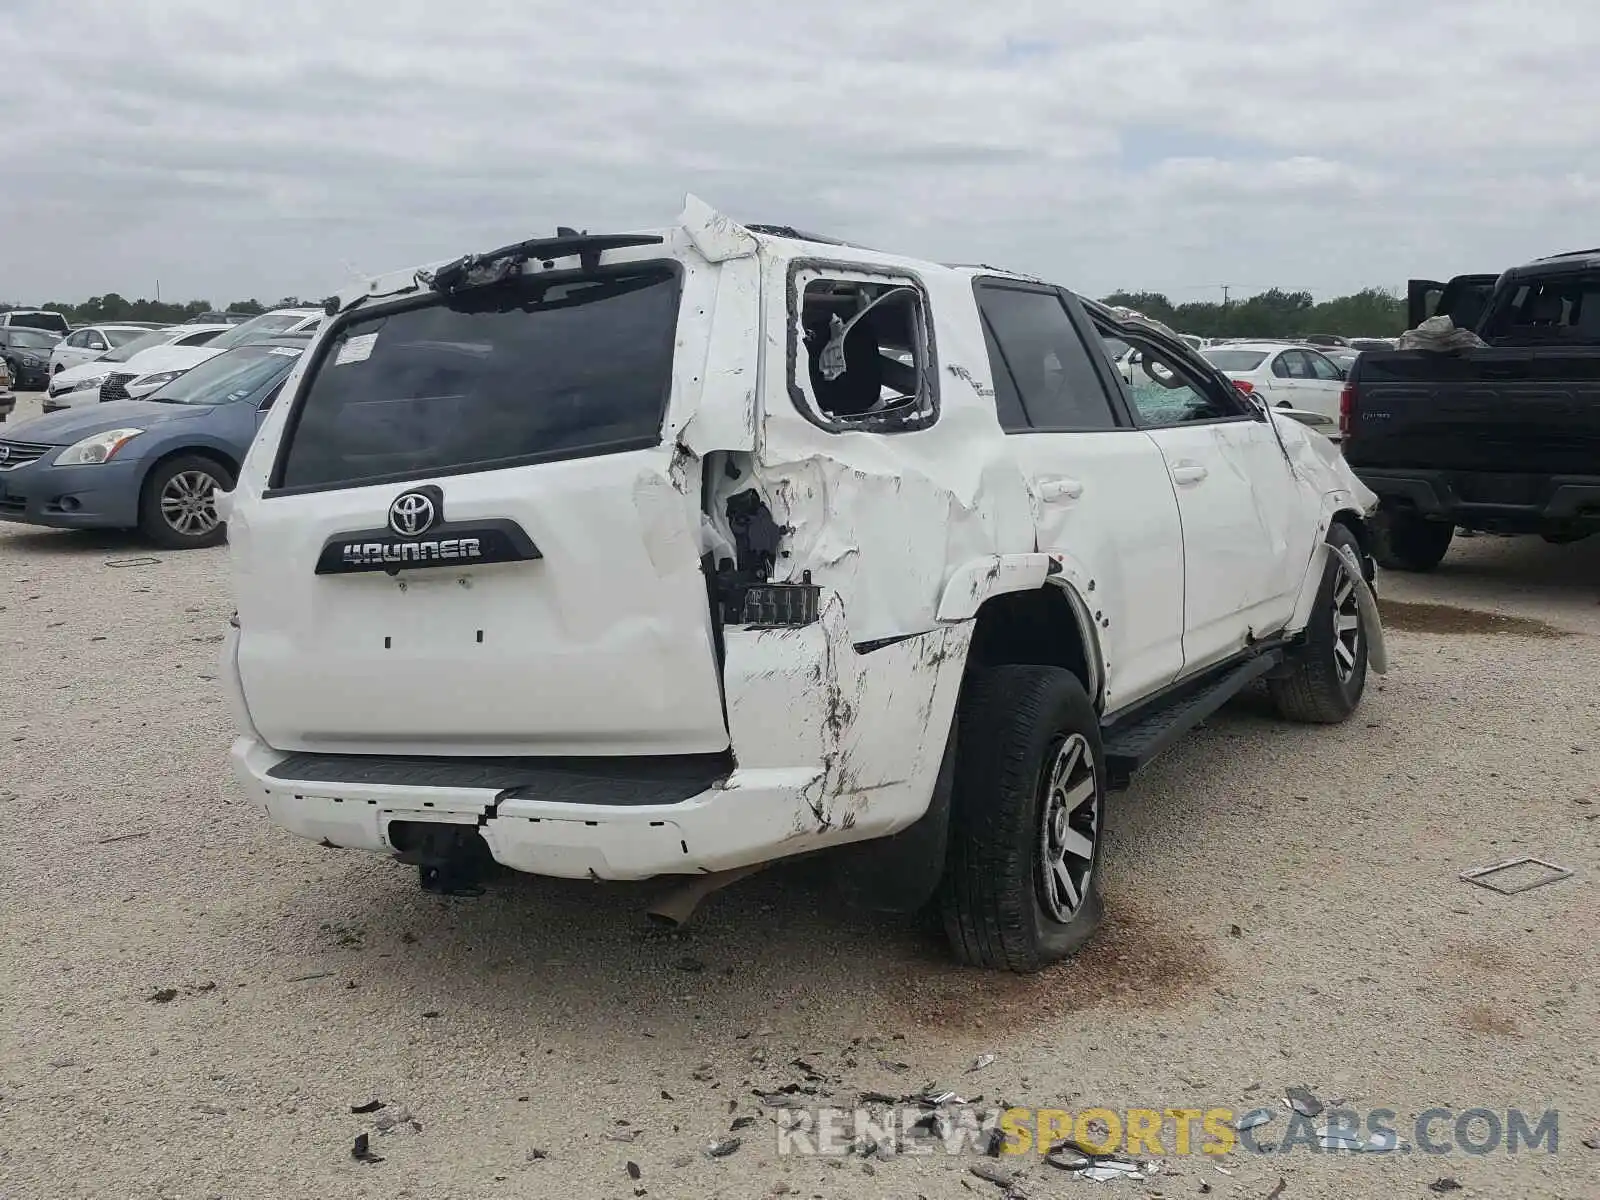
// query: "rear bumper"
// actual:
[[832, 747], [748, 818], [1487, 498]]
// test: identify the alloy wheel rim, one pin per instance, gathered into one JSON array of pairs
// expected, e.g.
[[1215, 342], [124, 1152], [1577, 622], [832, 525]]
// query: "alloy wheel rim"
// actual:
[[1346, 623], [187, 504], [1069, 828]]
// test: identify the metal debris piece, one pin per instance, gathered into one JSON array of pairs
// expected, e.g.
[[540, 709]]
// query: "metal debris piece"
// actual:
[[880, 1098], [143, 560], [633, 1170], [1302, 1101], [741, 1123], [625, 1136], [211, 1110], [362, 1150], [163, 996], [371, 1106], [1444, 1185], [1253, 1119], [537, 1155], [1484, 877], [1001, 1177], [1592, 1143], [1338, 1137], [1382, 1142], [1281, 1187], [722, 1147], [982, 1061]]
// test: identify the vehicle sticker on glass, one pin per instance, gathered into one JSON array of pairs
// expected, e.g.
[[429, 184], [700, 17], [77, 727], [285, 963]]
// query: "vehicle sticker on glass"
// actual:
[[357, 349], [291, 351]]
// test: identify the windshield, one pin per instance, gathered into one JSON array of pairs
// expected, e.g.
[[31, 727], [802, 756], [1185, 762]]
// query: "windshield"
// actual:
[[127, 350], [1234, 360], [254, 330], [42, 320], [532, 371], [231, 377], [121, 337], [32, 339]]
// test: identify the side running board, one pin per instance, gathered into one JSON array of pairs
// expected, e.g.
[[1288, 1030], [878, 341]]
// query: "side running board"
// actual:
[[1139, 737]]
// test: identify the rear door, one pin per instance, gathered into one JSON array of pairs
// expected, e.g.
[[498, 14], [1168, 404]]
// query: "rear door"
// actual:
[[474, 537], [1101, 490]]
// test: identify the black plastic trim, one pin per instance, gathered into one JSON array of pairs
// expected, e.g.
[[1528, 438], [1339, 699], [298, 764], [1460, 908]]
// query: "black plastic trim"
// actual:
[[601, 782], [498, 540]]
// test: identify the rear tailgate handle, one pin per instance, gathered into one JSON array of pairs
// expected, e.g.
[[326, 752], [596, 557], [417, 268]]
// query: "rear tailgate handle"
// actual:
[[1059, 489], [1188, 472]]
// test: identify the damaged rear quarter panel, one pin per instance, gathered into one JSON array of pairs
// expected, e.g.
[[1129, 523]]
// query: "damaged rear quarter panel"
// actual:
[[874, 724]]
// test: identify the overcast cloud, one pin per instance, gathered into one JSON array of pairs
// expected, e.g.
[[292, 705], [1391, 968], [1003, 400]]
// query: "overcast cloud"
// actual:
[[237, 149]]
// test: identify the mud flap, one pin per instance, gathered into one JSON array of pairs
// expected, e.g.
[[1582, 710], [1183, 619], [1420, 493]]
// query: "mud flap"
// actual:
[[900, 873]]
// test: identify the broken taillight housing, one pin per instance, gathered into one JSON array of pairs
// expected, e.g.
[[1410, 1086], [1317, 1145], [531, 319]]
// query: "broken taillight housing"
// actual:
[[1245, 386], [781, 604], [1347, 410]]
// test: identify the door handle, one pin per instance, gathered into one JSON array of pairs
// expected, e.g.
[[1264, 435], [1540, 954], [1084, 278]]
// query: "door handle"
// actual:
[[1059, 489], [1186, 473]]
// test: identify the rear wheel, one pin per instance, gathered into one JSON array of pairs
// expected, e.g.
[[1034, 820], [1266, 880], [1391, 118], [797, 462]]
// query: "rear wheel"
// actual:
[[176, 508], [1404, 541], [1326, 678], [1021, 886]]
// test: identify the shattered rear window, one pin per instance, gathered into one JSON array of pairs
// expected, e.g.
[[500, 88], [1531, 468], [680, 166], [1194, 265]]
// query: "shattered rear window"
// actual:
[[533, 370]]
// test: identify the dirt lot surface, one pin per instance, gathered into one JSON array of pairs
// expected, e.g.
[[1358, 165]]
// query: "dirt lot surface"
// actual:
[[192, 1001]]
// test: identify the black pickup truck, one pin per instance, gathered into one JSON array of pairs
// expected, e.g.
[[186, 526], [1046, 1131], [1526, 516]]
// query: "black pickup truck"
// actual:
[[1503, 438]]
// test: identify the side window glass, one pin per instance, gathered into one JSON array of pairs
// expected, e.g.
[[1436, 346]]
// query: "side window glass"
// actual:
[[1169, 392], [863, 358], [1037, 351], [1280, 365], [96, 342], [1322, 368], [1300, 365]]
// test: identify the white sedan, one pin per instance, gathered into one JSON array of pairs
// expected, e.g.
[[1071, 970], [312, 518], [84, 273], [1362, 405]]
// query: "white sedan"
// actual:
[[90, 342], [81, 384], [156, 368], [1282, 374]]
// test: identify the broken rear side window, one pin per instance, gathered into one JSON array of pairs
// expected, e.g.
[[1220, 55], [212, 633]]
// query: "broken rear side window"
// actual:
[[531, 371], [863, 356]]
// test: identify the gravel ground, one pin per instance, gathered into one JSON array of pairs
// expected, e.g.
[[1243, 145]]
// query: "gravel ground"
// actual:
[[191, 1000]]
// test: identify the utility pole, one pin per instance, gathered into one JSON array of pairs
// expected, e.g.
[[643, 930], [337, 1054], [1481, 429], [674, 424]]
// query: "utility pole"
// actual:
[[158, 291], [1224, 294]]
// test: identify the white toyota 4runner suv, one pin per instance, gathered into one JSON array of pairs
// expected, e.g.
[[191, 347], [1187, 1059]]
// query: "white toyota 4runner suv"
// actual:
[[678, 552]]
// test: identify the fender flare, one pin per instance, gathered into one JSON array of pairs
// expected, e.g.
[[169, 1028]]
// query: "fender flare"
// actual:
[[1334, 504], [980, 579]]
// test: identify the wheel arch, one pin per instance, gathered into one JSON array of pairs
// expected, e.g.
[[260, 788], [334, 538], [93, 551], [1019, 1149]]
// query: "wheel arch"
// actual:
[[1344, 514], [1048, 626], [216, 454]]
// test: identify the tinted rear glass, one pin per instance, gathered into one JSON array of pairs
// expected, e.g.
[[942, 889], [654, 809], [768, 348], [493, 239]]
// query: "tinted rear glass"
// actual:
[[1234, 360], [532, 371], [46, 320]]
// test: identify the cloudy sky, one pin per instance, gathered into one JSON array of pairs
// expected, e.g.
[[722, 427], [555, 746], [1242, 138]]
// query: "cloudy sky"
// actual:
[[234, 149]]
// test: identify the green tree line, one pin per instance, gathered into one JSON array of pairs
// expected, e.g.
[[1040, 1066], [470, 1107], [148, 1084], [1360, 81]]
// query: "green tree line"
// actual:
[[111, 308], [1371, 312]]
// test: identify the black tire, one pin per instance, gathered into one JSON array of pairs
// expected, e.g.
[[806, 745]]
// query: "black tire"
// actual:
[[1403, 541], [1327, 675], [153, 520], [1014, 723]]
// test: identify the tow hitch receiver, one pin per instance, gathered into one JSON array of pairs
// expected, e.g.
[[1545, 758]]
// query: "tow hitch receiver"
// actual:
[[451, 859]]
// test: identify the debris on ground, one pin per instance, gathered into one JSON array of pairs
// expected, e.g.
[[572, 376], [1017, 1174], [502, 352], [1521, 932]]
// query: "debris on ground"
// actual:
[[392, 1121], [1001, 1177], [211, 1110], [1444, 1185], [1545, 873], [625, 1136], [362, 1150], [371, 1106], [633, 1170], [163, 996], [722, 1147], [982, 1061], [1253, 1119], [1280, 1189], [741, 1123], [1302, 1101], [537, 1155], [141, 561]]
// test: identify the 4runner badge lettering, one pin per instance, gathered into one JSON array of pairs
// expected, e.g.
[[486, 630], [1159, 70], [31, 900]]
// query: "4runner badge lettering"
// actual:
[[401, 545]]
